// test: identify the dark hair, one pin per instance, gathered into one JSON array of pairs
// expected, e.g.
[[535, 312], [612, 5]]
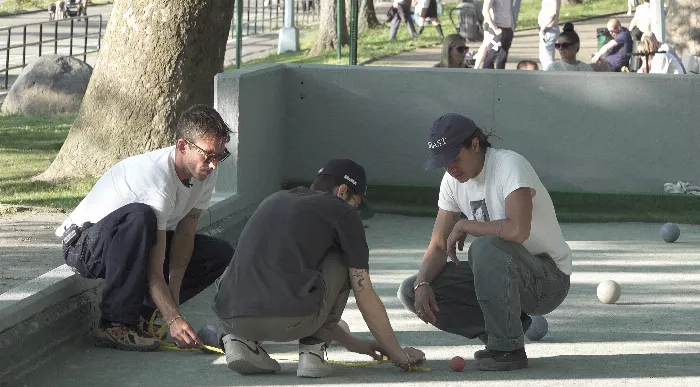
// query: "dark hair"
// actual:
[[483, 140], [201, 121], [325, 183], [523, 64], [569, 33]]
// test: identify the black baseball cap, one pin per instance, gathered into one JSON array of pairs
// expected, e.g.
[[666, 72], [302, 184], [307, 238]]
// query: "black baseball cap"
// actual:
[[445, 138], [353, 175]]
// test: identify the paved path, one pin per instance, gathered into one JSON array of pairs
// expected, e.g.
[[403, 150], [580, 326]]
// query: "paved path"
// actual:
[[525, 46], [28, 247], [649, 338]]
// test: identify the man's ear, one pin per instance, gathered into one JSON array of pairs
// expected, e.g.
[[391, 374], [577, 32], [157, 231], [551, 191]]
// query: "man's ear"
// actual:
[[342, 190], [180, 145], [475, 144]]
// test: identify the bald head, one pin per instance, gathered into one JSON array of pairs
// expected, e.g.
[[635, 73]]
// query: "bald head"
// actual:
[[614, 26]]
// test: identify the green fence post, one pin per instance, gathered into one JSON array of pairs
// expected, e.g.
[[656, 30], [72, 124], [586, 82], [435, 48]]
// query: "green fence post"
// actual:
[[338, 5], [354, 10], [239, 32]]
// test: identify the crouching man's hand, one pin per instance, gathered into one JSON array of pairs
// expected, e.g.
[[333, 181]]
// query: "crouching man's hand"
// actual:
[[411, 357], [367, 347]]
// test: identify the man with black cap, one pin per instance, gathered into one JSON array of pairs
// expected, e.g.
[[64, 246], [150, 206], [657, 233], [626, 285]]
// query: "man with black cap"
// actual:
[[519, 263], [297, 259]]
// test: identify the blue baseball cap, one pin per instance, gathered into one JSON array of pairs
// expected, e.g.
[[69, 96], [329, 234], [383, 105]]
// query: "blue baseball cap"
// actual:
[[445, 138]]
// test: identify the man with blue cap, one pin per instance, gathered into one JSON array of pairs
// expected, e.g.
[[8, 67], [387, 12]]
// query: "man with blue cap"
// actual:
[[518, 265]]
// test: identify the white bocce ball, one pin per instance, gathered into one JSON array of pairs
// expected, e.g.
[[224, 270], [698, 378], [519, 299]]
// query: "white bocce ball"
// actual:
[[608, 292]]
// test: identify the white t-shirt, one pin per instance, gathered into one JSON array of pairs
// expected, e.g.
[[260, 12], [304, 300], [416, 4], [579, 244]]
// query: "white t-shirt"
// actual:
[[563, 66], [643, 16], [147, 178], [664, 63], [483, 199], [502, 13]]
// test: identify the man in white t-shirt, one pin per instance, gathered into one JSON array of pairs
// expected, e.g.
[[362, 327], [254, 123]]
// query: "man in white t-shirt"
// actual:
[[519, 263], [137, 228]]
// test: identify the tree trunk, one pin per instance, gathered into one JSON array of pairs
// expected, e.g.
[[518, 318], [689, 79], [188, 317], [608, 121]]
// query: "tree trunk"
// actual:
[[158, 58], [368, 15], [683, 26], [326, 38]]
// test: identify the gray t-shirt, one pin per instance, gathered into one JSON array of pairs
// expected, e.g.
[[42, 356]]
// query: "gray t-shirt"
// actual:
[[503, 13], [275, 271]]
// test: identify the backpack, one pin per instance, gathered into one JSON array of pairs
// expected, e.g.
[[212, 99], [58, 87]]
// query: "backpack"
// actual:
[[470, 20]]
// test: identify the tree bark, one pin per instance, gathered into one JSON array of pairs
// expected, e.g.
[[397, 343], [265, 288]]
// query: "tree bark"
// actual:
[[368, 15], [683, 26], [158, 57], [326, 39]]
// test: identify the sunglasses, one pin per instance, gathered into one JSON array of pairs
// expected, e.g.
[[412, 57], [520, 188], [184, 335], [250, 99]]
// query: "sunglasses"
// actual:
[[461, 49], [210, 157], [562, 46]]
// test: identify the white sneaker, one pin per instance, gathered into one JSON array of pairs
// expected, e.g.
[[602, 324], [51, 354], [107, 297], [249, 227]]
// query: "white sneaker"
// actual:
[[312, 361], [247, 357]]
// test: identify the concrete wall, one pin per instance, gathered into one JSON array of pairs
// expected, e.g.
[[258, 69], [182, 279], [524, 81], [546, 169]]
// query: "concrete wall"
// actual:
[[581, 131]]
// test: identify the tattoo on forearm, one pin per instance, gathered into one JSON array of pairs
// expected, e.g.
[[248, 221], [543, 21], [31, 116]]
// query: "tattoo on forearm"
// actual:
[[358, 279]]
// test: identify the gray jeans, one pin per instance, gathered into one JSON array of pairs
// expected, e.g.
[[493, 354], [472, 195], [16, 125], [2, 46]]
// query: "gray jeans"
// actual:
[[547, 41], [488, 294], [317, 326]]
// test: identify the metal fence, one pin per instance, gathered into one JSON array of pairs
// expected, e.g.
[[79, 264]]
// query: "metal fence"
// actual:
[[263, 16], [80, 36], [76, 36]]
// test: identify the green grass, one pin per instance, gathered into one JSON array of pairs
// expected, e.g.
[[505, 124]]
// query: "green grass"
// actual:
[[29, 145], [374, 43], [529, 9], [13, 7]]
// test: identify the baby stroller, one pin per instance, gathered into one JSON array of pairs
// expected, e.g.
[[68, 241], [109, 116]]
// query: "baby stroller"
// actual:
[[75, 8], [62, 9], [471, 20]]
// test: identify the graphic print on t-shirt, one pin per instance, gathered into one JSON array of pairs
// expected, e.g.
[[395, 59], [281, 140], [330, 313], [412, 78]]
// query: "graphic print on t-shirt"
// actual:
[[479, 210]]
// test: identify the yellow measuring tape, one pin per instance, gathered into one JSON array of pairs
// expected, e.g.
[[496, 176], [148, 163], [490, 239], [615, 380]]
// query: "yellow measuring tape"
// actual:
[[172, 347]]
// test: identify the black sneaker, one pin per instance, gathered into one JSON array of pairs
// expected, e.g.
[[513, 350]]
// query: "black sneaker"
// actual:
[[482, 354], [502, 361]]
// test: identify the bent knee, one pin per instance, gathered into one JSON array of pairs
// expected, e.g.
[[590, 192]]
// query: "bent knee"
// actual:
[[484, 245], [143, 212], [487, 255], [405, 292]]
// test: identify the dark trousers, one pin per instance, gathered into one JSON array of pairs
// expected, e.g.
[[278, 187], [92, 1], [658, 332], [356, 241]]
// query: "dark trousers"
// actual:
[[403, 13], [311, 329], [117, 249], [497, 54], [490, 293]]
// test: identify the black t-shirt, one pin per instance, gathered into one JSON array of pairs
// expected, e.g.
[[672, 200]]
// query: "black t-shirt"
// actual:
[[275, 271]]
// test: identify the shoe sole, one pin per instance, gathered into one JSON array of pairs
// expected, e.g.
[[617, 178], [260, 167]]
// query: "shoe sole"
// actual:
[[486, 365], [314, 372], [245, 367], [105, 343]]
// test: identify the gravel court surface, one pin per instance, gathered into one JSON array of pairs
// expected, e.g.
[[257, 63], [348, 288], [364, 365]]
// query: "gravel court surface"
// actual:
[[650, 337]]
